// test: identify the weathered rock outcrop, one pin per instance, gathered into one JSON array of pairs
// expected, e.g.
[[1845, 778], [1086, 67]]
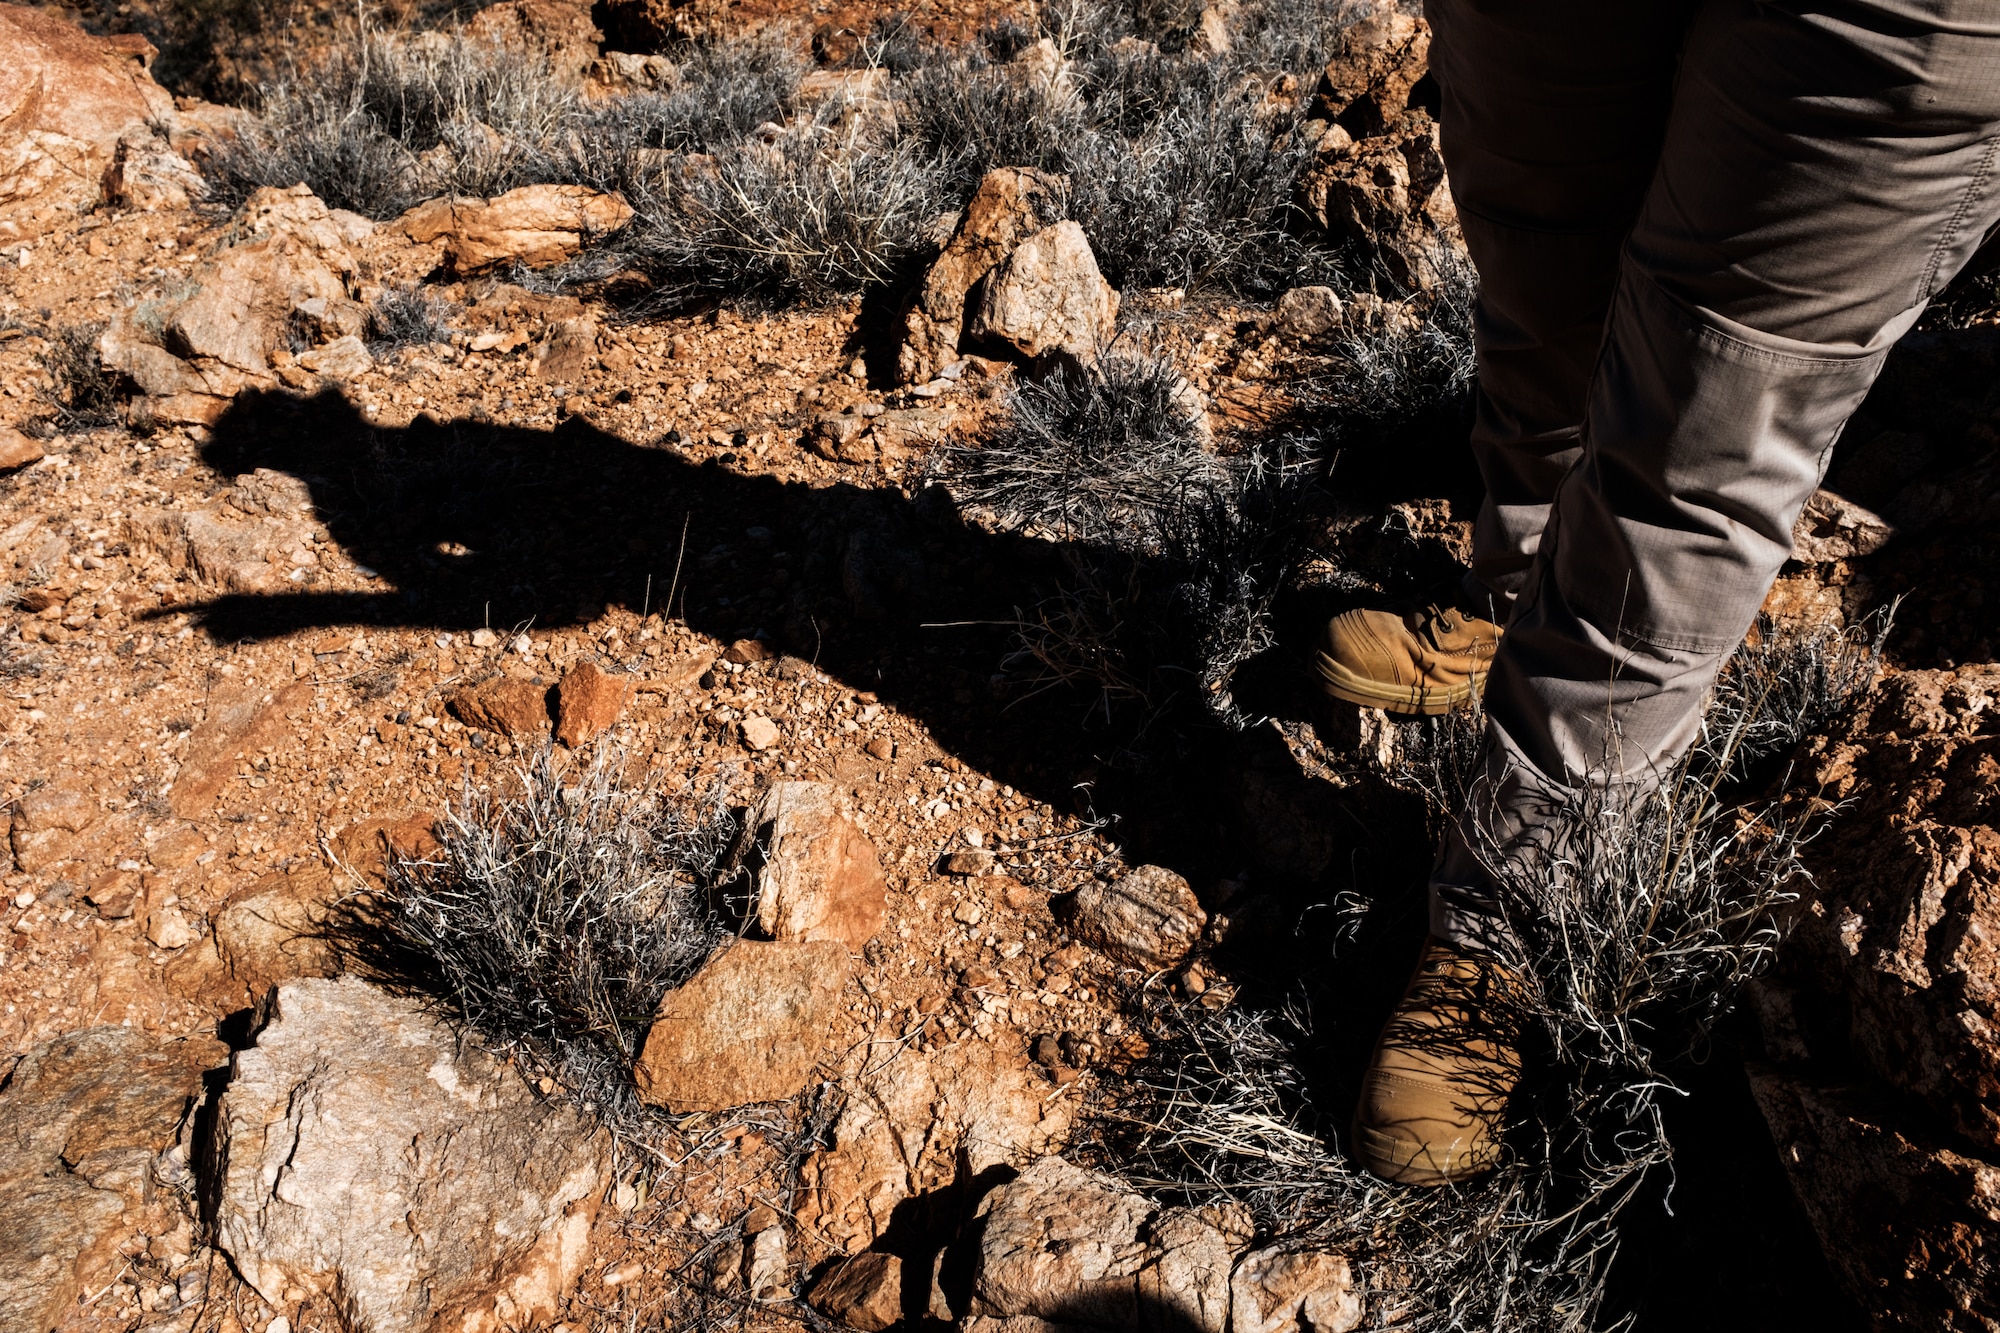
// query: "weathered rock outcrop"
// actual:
[[368, 1156], [66, 99], [820, 877], [1882, 1025], [914, 1125], [83, 1121], [1067, 1246], [1010, 205], [277, 929], [260, 537], [1047, 297], [534, 226], [296, 262], [1378, 179]]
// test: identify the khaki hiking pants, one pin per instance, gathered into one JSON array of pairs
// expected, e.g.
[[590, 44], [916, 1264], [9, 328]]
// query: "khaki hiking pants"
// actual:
[[1699, 226]]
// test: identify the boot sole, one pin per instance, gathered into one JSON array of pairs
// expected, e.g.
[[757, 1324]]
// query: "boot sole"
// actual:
[[1402, 1162], [1410, 700]]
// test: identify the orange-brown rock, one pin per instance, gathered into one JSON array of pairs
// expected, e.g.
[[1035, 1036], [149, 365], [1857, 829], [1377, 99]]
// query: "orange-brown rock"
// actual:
[[83, 1120], [54, 76], [749, 1027], [368, 846], [276, 930], [504, 705], [65, 99], [47, 823], [1047, 296], [17, 450], [1010, 205], [589, 701], [821, 878], [917, 1122], [1388, 194], [535, 226], [1897, 1158], [864, 1292], [1367, 83]]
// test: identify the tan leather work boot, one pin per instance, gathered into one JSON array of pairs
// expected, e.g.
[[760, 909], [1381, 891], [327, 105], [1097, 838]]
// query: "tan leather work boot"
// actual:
[[1429, 661], [1436, 1089]]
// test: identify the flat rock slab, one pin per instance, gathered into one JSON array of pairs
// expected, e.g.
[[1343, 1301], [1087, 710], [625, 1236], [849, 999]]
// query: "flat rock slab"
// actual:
[[372, 1158], [504, 706], [82, 1120], [749, 1027], [821, 878], [588, 702]]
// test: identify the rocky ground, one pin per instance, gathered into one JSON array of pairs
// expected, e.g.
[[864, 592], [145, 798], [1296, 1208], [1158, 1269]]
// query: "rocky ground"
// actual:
[[282, 589]]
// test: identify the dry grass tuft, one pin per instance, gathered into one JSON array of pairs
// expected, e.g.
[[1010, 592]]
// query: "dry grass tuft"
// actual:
[[1174, 554], [554, 919]]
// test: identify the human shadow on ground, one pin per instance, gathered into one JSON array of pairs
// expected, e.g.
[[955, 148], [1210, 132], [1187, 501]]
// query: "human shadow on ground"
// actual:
[[473, 524]]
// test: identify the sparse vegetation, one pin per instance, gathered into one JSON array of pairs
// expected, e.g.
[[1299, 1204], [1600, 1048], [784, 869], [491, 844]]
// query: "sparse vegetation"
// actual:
[[408, 317], [1183, 164], [556, 917], [1174, 553], [388, 121], [791, 220], [80, 394]]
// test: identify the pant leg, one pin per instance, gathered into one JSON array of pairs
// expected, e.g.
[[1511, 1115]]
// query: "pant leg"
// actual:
[[1827, 168], [1552, 117]]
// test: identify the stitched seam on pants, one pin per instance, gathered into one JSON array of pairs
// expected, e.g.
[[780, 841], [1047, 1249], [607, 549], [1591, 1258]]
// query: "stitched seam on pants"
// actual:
[[1708, 335], [1973, 189]]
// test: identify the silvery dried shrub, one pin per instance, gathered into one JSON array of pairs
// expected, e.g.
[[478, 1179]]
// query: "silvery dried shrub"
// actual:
[[556, 912]]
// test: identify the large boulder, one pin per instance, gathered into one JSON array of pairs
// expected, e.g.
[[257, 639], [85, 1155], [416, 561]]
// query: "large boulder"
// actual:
[[1892, 974], [1046, 297], [370, 1156], [66, 99], [83, 1121], [751, 1026], [1010, 205]]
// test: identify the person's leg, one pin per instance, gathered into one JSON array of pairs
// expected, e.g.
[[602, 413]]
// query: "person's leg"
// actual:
[[1551, 121], [1827, 169], [1552, 117]]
